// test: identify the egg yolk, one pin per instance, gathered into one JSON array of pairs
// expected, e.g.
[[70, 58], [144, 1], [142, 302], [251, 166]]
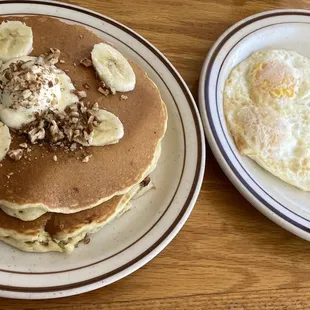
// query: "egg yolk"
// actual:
[[274, 78]]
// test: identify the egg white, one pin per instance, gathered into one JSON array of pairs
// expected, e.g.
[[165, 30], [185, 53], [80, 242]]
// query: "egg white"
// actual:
[[267, 108]]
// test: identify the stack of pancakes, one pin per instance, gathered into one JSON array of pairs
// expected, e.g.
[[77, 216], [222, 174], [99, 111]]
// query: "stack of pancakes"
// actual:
[[48, 205]]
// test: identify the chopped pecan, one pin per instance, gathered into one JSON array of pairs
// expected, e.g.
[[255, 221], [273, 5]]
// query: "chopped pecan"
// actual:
[[16, 155], [146, 181], [86, 62], [24, 145], [36, 134], [86, 158], [123, 97], [81, 94], [86, 239], [103, 91]]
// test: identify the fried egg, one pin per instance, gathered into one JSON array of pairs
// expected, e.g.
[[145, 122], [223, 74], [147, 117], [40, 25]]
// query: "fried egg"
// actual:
[[267, 109]]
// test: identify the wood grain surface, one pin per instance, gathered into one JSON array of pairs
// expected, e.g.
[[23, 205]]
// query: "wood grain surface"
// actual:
[[228, 256]]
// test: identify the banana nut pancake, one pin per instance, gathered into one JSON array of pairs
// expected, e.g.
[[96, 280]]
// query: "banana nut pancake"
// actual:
[[62, 232], [68, 185]]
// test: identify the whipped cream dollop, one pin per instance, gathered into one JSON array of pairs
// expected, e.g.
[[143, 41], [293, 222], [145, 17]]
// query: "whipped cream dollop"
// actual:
[[31, 85]]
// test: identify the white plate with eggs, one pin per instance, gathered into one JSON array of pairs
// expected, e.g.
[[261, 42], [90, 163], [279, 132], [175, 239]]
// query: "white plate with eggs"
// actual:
[[256, 109]]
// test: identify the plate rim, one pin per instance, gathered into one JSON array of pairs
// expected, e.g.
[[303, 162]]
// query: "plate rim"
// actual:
[[167, 236], [282, 220]]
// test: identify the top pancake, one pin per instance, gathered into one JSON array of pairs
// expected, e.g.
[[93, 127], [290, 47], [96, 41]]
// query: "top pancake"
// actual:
[[69, 185]]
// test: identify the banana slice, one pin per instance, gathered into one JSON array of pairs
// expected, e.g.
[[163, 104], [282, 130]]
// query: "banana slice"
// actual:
[[15, 40], [109, 130], [113, 68], [5, 140]]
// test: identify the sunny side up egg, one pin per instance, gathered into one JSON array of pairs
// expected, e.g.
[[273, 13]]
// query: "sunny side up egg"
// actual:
[[267, 109]]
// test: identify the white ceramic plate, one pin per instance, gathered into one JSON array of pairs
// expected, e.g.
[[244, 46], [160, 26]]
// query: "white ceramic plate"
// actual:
[[135, 238], [284, 29]]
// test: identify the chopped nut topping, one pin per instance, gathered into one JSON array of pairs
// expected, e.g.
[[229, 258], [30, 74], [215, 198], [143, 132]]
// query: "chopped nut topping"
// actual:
[[95, 106], [74, 64], [24, 145], [62, 61], [123, 97], [73, 147], [55, 158], [146, 181], [105, 92], [86, 62], [74, 114], [56, 134], [91, 119], [74, 120], [81, 94], [86, 86], [86, 158], [16, 155], [86, 239], [36, 134], [76, 124], [53, 56], [27, 93]]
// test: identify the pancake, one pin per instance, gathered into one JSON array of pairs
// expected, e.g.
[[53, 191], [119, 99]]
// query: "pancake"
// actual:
[[63, 232], [32, 213], [69, 186]]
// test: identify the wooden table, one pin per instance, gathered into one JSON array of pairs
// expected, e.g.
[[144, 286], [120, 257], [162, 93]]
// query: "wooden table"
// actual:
[[228, 256]]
